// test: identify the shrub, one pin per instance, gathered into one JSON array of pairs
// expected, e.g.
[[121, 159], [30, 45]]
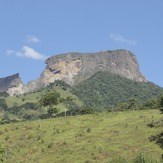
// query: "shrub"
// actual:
[[118, 160], [3, 105]]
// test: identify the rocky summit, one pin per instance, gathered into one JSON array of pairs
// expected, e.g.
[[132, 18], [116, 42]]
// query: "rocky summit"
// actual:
[[73, 68], [12, 84]]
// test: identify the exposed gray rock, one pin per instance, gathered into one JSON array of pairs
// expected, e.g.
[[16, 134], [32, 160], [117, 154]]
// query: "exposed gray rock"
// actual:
[[74, 68], [12, 84]]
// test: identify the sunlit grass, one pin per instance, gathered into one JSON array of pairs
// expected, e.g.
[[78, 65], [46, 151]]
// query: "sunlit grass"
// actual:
[[95, 138]]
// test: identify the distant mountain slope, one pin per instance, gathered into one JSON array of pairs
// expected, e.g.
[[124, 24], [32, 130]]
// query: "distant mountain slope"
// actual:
[[106, 89], [14, 82]]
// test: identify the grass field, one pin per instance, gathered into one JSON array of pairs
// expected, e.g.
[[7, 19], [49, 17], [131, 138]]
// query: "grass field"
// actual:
[[94, 138]]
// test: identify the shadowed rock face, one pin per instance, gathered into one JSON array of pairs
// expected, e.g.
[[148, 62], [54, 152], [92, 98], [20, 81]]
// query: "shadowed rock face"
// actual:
[[74, 68], [13, 82]]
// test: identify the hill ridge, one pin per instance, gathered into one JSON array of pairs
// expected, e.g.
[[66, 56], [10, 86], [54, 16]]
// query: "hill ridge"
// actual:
[[74, 68]]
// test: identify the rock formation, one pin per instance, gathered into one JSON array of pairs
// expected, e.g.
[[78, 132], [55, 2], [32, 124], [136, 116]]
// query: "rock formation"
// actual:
[[74, 68], [12, 84]]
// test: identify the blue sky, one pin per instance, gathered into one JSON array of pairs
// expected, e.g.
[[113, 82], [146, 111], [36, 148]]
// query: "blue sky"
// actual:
[[32, 30]]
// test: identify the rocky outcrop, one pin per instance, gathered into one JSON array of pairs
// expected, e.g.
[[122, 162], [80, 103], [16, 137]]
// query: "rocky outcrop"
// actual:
[[74, 68], [11, 84]]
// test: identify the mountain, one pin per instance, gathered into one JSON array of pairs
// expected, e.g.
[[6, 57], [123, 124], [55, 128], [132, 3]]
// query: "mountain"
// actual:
[[13, 84], [74, 68], [104, 90]]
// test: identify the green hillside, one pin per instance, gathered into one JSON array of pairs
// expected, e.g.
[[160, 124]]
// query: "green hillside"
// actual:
[[28, 105], [96, 138], [132, 136], [104, 90]]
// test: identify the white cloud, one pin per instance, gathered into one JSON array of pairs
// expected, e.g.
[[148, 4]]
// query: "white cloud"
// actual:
[[119, 38], [27, 52], [32, 39]]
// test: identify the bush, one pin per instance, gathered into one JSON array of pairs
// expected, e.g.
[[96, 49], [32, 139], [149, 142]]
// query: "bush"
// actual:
[[52, 110], [158, 139], [160, 102], [86, 110], [118, 160], [4, 94], [28, 114], [2, 153], [144, 159], [30, 105], [3, 105]]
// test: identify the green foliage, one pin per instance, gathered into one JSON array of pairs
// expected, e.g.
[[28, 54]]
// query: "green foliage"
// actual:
[[121, 106], [6, 116], [17, 110], [2, 153], [104, 90], [50, 99], [4, 94], [28, 114], [16, 105], [140, 158], [158, 139], [160, 103], [61, 84], [67, 101], [133, 104], [86, 110], [3, 105], [118, 160], [52, 110], [151, 104]]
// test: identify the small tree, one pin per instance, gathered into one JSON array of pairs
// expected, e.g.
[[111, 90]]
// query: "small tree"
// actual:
[[133, 104], [49, 100]]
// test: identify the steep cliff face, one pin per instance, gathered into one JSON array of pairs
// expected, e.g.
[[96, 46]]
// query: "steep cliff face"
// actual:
[[74, 68], [12, 84]]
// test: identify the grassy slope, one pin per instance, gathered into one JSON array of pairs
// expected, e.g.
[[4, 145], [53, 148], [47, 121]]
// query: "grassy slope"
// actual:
[[96, 138], [34, 97]]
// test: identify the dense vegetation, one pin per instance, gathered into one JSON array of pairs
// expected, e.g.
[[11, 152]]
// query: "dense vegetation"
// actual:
[[104, 90]]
